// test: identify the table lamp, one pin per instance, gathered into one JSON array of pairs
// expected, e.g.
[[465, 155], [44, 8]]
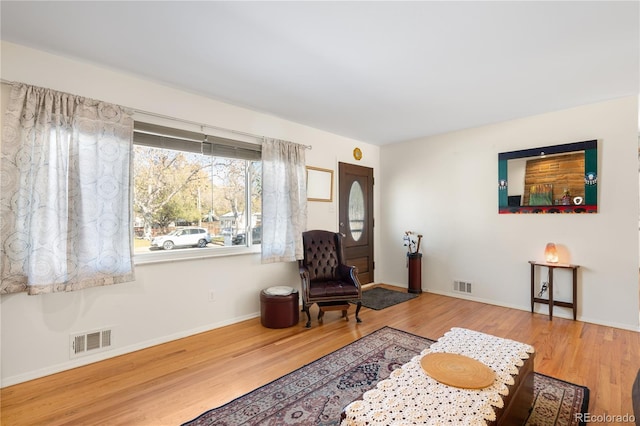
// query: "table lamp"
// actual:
[[550, 253]]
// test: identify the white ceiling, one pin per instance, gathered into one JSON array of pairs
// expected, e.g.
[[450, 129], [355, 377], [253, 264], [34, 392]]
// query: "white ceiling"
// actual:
[[380, 72]]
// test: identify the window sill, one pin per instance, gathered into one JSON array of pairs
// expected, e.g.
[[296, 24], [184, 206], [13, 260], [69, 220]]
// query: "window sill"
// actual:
[[178, 255]]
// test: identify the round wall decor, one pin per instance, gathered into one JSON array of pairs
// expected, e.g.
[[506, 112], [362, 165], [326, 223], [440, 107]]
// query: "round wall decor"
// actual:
[[357, 154]]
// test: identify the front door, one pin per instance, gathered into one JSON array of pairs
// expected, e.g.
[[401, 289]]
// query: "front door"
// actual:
[[356, 217]]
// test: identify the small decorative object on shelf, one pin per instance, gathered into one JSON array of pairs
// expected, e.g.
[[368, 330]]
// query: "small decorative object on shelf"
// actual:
[[551, 253], [566, 198], [414, 258]]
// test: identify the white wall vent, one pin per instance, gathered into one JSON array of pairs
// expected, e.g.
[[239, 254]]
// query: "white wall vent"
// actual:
[[90, 342], [462, 286]]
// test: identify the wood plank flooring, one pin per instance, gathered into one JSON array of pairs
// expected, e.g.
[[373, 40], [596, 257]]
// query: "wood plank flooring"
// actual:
[[172, 383]]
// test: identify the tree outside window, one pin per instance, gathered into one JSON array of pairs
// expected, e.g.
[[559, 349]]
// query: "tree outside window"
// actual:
[[177, 189]]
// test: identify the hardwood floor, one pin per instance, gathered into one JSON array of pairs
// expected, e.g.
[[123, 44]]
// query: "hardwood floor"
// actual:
[[175, 382]]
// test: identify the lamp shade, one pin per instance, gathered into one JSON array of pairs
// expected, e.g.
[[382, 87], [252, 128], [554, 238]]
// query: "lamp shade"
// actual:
[[551, 253]]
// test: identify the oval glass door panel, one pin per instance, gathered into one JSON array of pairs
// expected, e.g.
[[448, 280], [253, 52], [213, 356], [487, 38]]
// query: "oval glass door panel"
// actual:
[[356, 211]]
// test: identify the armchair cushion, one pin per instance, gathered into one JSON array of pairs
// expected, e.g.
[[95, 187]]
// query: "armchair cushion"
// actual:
[[331, 288]]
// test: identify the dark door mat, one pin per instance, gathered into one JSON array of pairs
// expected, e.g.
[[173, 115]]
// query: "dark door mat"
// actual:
[[379, 298]]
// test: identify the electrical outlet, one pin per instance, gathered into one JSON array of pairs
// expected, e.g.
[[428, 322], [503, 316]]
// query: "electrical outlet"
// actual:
[[212, 295]]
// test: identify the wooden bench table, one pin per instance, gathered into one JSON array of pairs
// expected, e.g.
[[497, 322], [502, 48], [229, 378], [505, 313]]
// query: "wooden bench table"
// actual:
[[411, 395]]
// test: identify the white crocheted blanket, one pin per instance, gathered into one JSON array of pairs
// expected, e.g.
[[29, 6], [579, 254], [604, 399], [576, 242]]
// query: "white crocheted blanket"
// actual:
[[410, 397]]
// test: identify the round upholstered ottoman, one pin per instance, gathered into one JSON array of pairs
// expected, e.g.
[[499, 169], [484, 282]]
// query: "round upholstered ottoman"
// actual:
[[279, 307]]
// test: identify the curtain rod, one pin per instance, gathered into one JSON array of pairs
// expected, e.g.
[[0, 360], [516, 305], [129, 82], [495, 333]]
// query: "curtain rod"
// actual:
[[167, 117]]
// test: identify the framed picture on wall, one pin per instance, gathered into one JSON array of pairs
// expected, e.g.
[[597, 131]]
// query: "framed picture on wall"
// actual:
[[319, 184]]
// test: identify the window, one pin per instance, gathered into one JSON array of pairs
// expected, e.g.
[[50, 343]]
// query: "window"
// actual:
[[194, 191]]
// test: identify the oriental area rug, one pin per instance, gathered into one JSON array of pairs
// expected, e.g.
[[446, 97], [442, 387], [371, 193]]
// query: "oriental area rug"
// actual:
[[316, 393]]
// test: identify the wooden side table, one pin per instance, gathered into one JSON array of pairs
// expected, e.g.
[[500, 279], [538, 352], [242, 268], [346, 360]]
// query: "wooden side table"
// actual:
[[573, 304]]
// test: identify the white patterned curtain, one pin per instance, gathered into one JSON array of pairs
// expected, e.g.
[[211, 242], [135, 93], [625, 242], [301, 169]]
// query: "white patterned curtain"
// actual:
[[284, 200], [65, 192]]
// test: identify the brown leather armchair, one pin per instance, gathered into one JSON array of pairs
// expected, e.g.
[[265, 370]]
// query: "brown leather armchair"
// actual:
[[326, 280]]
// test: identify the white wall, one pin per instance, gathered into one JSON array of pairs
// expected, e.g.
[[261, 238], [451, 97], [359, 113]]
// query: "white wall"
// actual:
[[445, 187], [168, 300]]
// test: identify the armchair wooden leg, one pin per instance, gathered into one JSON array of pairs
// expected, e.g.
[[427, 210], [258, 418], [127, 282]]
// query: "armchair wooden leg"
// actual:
[[305, 308], [358, 306]]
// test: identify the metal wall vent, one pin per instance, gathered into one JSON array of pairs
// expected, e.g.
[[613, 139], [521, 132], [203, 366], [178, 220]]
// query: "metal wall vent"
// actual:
[[462, 286], [90, 342]]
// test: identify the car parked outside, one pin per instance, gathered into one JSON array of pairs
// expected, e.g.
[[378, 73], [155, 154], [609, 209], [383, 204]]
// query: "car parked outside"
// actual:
[[183, 237], [256, 237]]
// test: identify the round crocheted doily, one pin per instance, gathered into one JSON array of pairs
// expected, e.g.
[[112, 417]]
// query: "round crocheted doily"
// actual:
[[457, 370]]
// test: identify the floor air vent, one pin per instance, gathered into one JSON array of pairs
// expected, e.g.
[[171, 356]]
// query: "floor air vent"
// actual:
[[90, 342]]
